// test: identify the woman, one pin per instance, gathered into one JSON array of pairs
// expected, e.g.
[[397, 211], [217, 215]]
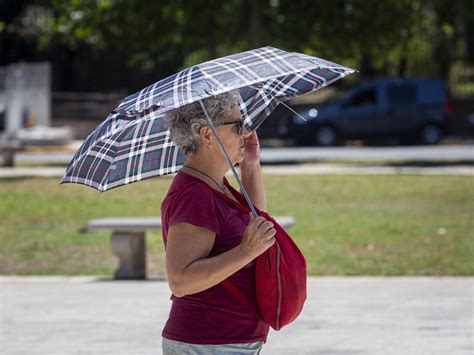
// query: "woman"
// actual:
[[207, 240]]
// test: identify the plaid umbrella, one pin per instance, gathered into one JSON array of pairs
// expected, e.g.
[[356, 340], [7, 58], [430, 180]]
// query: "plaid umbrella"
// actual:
[[132, 144]]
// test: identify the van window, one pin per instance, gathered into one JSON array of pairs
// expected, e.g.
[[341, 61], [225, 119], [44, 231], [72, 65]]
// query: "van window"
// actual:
[[401, 94], [364, 98], [432, 91]]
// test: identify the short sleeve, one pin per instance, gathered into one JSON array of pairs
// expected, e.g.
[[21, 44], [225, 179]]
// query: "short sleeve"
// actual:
[[196, 206]]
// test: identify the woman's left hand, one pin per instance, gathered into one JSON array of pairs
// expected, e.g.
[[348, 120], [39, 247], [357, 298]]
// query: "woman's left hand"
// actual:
[[252, 150]]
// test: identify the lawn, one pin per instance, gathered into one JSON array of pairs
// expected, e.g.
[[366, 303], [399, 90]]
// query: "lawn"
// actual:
[[345, 225]]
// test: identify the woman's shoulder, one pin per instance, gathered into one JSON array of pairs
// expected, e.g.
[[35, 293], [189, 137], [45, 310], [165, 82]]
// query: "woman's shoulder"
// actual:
[[183, 180], [188, 188], [190, 201]]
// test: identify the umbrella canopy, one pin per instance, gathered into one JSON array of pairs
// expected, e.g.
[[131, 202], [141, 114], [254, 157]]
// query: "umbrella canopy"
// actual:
[[132, 144]]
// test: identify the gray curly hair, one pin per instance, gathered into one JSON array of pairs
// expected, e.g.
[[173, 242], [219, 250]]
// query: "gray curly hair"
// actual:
[[185, 122]]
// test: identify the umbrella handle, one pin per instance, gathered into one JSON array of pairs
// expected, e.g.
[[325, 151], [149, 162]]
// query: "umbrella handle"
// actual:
[[229, 161]]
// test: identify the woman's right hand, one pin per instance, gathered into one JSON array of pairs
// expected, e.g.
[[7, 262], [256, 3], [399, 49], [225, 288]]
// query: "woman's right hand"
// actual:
[[258, 236]]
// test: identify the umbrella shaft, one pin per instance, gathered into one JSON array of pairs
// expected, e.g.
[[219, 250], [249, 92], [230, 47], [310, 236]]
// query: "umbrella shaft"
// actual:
[[229, 161]]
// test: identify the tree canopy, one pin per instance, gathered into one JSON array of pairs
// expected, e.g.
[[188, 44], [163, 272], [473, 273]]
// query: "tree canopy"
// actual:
[[390, 37]]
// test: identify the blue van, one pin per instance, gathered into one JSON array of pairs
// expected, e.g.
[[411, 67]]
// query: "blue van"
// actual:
[[412, 110]]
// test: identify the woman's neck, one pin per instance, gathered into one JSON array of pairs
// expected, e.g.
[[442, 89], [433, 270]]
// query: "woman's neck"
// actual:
[[207, 170]]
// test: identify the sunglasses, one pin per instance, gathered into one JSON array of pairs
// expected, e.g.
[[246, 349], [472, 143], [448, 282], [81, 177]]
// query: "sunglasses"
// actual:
[[238, 123]]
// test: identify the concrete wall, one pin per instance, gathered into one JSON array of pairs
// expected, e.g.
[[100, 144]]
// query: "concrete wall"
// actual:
[[25, 89]]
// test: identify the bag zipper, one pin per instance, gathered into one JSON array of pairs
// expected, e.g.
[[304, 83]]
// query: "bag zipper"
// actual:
[[277, 323]]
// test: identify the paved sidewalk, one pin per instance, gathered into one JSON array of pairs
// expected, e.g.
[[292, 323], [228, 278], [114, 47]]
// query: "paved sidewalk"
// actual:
[[283, 155], [343, 315], [307, 169]]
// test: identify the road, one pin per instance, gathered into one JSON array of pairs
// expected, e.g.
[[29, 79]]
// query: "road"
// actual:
[[406, 153], [293, 169]]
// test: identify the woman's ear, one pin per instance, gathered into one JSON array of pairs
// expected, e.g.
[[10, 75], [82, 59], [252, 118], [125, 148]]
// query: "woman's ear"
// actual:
[[205, 134]]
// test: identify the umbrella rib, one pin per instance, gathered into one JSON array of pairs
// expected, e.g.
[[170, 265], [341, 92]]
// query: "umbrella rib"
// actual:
[[289, 108]]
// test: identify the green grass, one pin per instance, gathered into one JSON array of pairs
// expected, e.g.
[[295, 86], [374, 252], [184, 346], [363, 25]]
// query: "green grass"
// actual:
[[345, 225]]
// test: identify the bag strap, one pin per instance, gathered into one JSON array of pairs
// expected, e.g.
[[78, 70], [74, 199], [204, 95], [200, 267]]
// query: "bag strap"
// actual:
[[230, 287], [242, 205]]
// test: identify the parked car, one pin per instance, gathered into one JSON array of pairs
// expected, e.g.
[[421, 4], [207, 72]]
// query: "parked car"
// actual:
[[470, 121], [3, 111], [412, 110]]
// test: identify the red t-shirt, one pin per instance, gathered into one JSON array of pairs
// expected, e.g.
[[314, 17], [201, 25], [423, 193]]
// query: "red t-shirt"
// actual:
[[212, 316]]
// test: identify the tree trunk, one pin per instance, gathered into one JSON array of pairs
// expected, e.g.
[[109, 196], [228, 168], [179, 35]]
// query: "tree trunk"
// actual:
[[366, 68], [255, 24], [402, 67]]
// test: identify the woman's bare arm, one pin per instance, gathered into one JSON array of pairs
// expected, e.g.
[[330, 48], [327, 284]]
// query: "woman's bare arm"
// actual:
[[251, 171], [252, 180], [188, 268]]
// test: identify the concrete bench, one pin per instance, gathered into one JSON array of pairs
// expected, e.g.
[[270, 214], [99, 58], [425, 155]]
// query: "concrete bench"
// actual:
[[8, 150], [128, 241]]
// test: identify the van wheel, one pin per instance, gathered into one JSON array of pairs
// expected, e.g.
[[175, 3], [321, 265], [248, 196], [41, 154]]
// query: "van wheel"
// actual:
[[326, 136], [430, 134]]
